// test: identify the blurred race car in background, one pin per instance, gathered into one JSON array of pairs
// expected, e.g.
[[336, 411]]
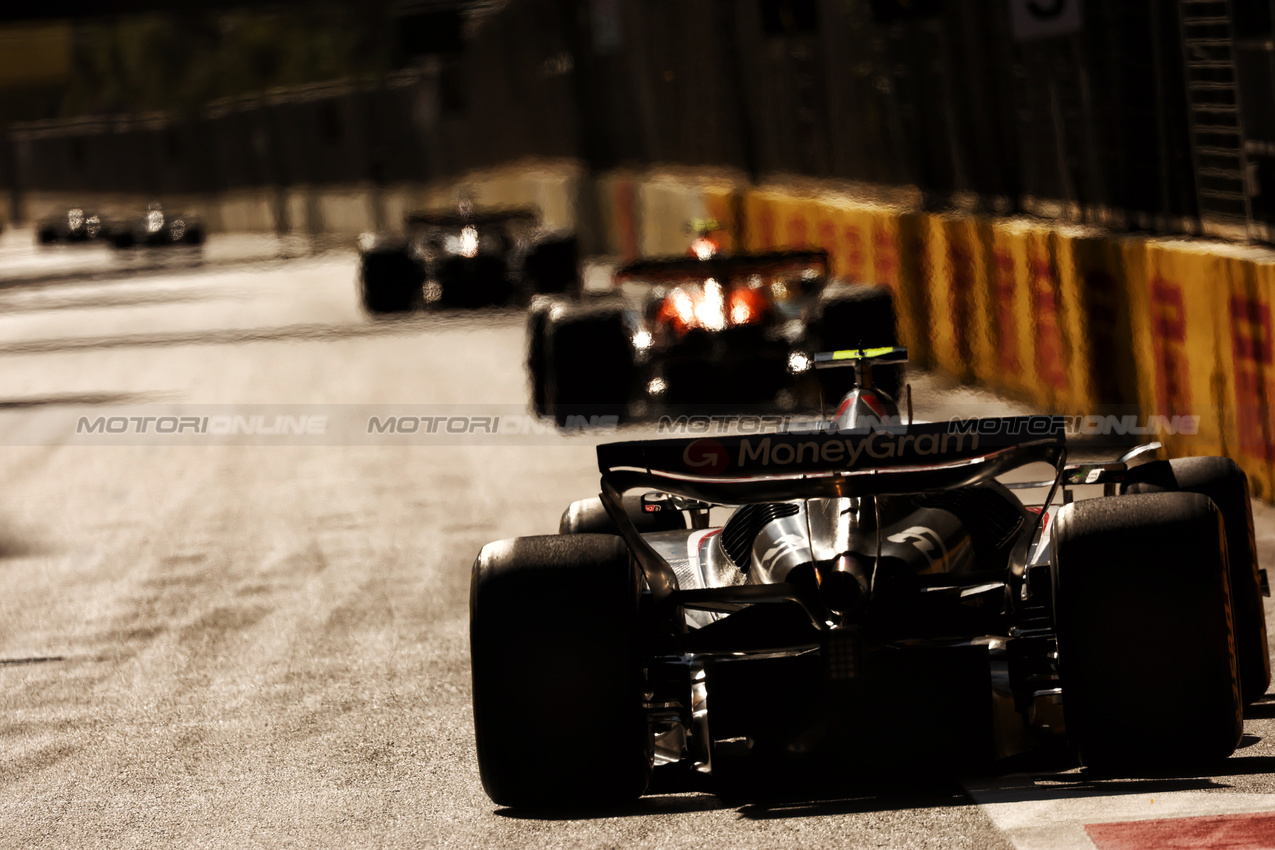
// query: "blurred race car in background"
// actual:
[[157, 228], [876, 598], [705, 329], [75, 226], [465, 258]]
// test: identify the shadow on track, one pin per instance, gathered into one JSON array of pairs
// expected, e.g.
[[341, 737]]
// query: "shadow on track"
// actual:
[[819, 797], [1087, 782], [680, 804]]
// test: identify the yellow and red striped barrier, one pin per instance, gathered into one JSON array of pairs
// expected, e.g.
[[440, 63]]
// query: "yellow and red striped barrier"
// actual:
[[1246, 370], [1175, 332]]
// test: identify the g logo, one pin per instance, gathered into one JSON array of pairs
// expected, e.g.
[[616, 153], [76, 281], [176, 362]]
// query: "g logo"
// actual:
[[707, 456]]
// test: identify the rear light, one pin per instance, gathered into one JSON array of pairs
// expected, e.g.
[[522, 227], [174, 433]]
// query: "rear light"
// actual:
[[710, 307], [704, 248], [748, 306], [677, 310]]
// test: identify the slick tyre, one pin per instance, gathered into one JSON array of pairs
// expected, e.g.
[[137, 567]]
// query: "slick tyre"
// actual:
[[538, 356], [856, 315], [1225, 483], [390, 281], [558, 684], [1146, 644], [553, 266], [591, 367]]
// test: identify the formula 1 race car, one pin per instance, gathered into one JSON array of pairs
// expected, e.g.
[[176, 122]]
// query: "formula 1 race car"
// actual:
[[465, 258], [713, 329], [874, 596], [76, 226], [157, 228]]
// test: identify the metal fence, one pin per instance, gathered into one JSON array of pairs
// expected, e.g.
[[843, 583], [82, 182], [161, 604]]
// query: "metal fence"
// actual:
[[1153, 114]]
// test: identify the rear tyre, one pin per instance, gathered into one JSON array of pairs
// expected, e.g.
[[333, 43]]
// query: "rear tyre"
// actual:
[[1222, 480], [558, 682], [1145, 640], [390, 281], [538, 356], [856, 315], [553, 266], [591, 367]]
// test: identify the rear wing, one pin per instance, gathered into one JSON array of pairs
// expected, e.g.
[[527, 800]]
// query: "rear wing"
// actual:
[[856, 356], [776, 467], [720, 265], [739, 469]]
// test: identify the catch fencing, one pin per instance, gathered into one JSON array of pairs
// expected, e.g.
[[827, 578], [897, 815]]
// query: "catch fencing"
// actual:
[[1142, 114]]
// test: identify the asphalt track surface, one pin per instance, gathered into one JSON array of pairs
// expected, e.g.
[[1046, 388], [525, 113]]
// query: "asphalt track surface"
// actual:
[[264, 642]]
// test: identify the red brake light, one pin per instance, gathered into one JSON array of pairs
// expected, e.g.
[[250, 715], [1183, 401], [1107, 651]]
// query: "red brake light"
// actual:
[[746, 306]]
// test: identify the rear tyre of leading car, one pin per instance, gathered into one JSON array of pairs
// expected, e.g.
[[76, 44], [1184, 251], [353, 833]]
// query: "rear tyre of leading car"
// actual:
[[553, 266], [390, 281], [590, 368], [558, 683], [538, 355], [1146, 646]]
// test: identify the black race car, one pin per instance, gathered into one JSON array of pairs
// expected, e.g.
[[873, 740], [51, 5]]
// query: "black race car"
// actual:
[[706, 330], [76, 226], [158, 228], [467, 258], [876, 595]]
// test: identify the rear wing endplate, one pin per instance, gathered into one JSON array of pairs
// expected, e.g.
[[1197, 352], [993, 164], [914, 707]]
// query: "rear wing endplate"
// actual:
[[720, 265]]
